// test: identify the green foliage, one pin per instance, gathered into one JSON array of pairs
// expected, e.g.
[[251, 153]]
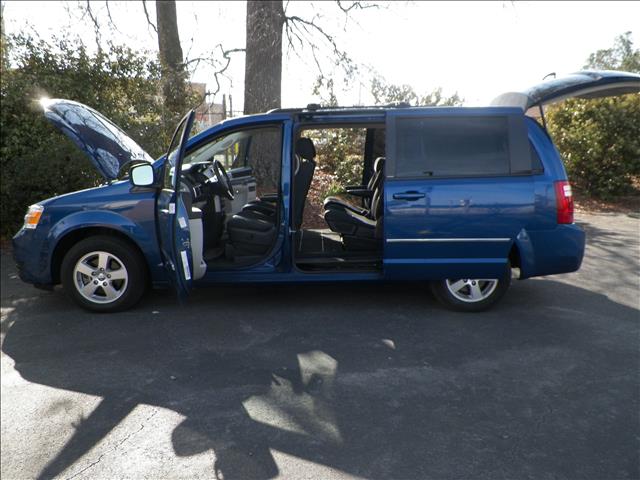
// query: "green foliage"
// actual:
[[385, 93], [600, 143], [600, 139], [339, 152], [339, 159], [37, 161], [349, 170], [324, 87], [621, 56], [334, 189]]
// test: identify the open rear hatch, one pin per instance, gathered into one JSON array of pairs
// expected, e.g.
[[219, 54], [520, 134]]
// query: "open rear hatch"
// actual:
[[585, 84]]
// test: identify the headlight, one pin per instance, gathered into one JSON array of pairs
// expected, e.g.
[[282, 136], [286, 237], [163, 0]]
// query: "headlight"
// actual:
[[33, 215]]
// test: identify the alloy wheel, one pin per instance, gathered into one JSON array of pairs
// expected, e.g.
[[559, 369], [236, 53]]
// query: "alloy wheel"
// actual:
[[471, 290], [100, 277]]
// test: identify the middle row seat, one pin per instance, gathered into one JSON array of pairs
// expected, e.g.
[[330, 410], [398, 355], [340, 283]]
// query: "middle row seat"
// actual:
[[365, 192], [360, 228], [359, 232]]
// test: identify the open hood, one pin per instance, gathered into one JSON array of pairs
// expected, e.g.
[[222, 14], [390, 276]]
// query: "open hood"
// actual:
[[106, 145], [585, 84]]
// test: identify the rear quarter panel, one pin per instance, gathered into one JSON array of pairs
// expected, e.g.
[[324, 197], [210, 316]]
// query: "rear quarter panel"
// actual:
[[545, 247]]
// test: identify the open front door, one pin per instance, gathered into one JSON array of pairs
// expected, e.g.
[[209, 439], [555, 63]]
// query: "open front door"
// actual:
[[172, 220]]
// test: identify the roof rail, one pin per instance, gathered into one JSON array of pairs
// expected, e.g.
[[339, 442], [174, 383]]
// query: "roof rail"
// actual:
[[285, 110], [315, 107]]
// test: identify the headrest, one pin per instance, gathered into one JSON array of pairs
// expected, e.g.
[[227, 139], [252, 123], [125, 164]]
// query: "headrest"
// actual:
[[378, 164], [305, 148]]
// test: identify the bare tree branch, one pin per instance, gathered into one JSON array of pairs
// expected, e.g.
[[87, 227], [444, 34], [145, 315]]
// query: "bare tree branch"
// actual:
[[301, 32], [305, 28], [96, 25], [355, 6], [106, 3], [146, 14], [291, 35], [221, 67]]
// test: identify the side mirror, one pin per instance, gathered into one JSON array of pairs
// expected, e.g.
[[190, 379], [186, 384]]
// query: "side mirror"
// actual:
[[141, 175]]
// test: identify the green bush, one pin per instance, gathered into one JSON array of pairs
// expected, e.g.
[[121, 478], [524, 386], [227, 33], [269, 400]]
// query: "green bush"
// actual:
[[340, 154], [37, 161], [599, 140], [349, 170], [600, 143]]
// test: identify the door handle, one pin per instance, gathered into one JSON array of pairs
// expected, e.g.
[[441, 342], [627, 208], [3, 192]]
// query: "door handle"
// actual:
[[408, 196]]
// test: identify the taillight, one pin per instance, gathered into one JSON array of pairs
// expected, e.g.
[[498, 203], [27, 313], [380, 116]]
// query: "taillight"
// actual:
[[564, 202]]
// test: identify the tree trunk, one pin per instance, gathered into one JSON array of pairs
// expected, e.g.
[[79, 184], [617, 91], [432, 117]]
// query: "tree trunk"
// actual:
[[263, 61], [173, 73], [4, 52]]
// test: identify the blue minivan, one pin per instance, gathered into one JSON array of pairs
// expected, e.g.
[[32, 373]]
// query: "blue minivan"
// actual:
[[460, 197]]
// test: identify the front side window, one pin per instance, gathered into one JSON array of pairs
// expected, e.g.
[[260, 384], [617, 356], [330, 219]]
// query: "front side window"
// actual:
[[257, 149], [452, 146]]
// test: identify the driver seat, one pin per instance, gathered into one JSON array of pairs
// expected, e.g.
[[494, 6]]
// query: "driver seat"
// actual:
[[304, 167], [253, 230]]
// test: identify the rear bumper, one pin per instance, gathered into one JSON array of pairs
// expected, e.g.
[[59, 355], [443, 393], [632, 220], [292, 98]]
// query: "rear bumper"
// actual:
[[547, 252]]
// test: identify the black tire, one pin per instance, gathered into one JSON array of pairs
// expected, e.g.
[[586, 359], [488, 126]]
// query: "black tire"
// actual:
[[128, 294], [446, 298]]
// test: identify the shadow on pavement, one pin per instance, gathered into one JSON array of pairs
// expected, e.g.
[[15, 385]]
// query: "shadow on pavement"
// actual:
[[376, 381]]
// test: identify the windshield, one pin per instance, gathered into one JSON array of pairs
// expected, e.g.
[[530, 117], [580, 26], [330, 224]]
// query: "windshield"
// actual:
[[227, 150]]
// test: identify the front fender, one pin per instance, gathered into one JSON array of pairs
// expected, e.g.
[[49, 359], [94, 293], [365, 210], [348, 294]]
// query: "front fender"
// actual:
[[142, 234]]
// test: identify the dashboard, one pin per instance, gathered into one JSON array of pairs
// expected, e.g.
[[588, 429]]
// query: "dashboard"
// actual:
[[199, 179]]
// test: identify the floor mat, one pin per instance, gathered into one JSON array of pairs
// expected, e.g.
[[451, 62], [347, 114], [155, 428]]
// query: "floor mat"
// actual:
[[318, 242]]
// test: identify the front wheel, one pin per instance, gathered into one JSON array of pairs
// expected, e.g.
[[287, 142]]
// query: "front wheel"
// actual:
[[103, 274], [471, 294]]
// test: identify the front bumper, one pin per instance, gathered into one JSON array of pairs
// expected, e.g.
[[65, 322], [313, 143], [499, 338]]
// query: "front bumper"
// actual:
[[32, 257]]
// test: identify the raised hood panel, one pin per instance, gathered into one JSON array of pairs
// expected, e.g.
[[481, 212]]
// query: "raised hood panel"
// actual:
[[106, 145]]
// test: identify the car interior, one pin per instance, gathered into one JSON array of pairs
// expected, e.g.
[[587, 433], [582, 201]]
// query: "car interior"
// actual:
[[351, 237], [231, 191]]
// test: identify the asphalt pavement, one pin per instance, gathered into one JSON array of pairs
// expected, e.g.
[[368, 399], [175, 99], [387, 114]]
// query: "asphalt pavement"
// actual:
[[332, 381]]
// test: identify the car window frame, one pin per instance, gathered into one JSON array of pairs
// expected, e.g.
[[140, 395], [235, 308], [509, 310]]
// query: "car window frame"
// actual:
[[244, 149], [517, 139]]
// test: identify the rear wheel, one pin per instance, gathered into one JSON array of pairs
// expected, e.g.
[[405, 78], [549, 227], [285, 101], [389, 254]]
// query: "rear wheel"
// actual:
[[104, 274], [471, 294]]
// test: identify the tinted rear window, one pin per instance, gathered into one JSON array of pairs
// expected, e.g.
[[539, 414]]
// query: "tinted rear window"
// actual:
[[536, 162], [452, 146]]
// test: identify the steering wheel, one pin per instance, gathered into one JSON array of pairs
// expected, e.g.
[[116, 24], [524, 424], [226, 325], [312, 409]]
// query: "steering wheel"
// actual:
[[187, 186], [223, 179]]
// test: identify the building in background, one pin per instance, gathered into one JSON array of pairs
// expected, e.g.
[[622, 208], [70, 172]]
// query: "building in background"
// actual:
[[210, 113]]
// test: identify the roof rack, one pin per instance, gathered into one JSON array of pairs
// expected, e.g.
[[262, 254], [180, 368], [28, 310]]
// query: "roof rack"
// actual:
[[315, 107]]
